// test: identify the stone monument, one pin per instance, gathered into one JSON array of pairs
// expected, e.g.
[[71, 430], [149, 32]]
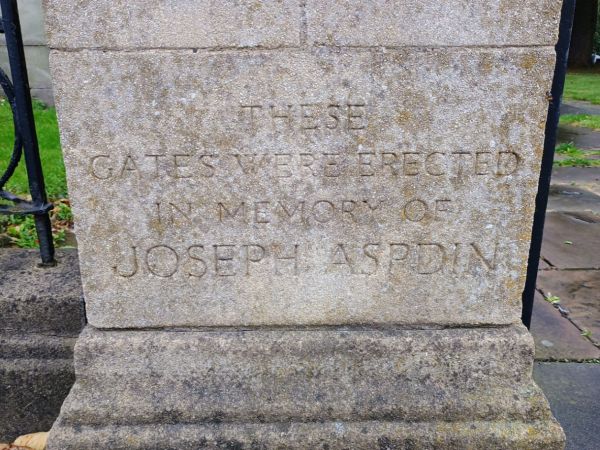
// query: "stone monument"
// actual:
[[303, 224]]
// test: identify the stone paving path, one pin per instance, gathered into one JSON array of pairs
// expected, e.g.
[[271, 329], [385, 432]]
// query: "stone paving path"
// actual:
[[570, 266], [573, 391], [572, 273], [587, 178], [583, 138], [579, 107], [566, 197]]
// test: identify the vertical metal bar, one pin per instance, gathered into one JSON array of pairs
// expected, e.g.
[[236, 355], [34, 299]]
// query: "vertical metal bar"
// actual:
[[18, 68], [541, 202]]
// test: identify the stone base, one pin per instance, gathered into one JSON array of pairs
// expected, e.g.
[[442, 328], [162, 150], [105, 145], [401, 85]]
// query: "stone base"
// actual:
[[41, 314], [36, 374], [306, 389]]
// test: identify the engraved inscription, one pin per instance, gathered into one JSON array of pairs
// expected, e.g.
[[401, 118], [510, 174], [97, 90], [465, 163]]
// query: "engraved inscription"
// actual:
[[218, 260], [349, 116], [330, 187], [280, 165], [276, 212], [285, 259]]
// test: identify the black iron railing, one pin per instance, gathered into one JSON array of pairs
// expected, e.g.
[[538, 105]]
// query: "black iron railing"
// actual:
[[19, 97], [541, 202]]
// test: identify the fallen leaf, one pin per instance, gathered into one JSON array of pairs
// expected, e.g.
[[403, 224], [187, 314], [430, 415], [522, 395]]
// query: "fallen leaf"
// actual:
[[35, 441], [13, 447]]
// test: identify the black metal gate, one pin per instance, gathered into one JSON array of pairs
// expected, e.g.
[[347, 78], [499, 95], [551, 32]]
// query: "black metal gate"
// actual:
[[541, 202], [19, 97]]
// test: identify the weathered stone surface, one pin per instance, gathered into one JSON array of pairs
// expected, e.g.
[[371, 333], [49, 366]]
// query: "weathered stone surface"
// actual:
[[581, 228], [569, 198], [36, 346], [40, 301], [409, 201], [32, 393], [433, 23], [247, 376], [307, 222], [582, 138], [41, 314], [349, 388], [573, 391], [277, 23], [501, 435], [588, 177], [125, 24], [555, 337], [579, 107], [579, 292]]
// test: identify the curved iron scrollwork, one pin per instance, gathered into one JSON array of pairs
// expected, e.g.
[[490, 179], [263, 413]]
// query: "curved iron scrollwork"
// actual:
[[19, 97], [21, 206], [17, 154]]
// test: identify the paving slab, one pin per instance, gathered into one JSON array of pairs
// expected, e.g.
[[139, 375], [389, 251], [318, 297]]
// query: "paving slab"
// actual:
[[579, 175], [572, 198], [582, 138], [555, 337], [582, 229], [573, 391], [579, 107], [584, 177], [579, 292], [560, 157]]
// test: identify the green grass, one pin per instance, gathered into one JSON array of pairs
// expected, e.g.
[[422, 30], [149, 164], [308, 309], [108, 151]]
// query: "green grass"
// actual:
[[577, 157], [582, 120], [50, 151], [19, 231], [584, 85]]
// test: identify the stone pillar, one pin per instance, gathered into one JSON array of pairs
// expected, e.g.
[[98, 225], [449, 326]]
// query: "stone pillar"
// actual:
[[303, 224]]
